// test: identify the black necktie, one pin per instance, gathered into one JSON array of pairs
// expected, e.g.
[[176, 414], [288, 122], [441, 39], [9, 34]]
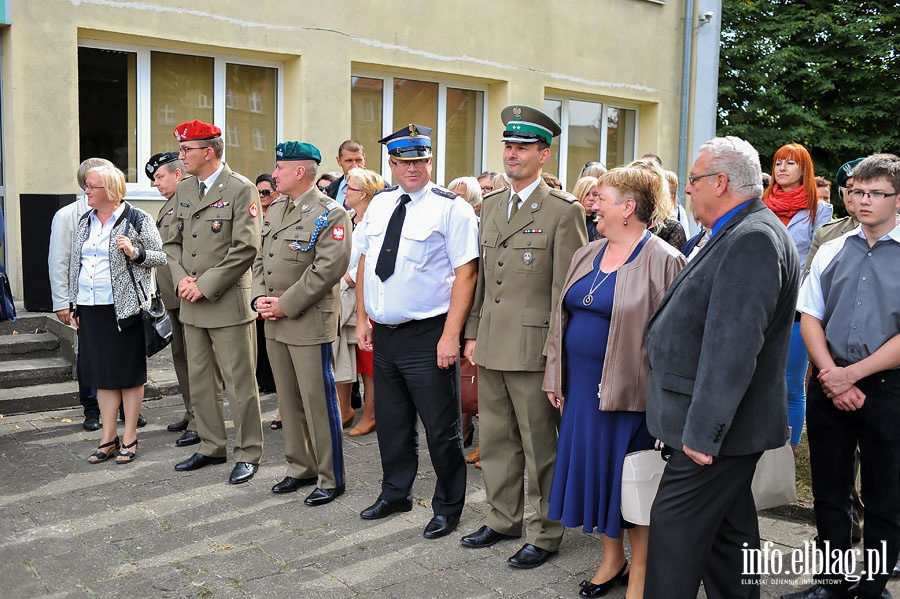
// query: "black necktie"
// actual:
[[387, 259]]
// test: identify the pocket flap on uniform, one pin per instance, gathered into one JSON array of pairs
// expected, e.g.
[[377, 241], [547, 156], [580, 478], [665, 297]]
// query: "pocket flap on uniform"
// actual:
[[416, 233], [302, 236], [677, 383], [535, 318], [490, 238], [530, 240], [223, 213]]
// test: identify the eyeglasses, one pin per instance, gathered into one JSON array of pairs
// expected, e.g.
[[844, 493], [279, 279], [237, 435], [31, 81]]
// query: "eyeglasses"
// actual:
[[93, 187], [693, 178], [486, 189], [185, 150], [406, 164], [353, 189], [266, 192], [858, 194]]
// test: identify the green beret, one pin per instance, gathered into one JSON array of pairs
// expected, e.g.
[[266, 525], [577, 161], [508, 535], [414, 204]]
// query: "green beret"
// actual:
[[846, 172], [297, 150]]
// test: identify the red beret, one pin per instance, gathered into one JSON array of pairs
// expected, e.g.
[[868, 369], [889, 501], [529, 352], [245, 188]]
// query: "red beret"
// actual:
[[196, 130]]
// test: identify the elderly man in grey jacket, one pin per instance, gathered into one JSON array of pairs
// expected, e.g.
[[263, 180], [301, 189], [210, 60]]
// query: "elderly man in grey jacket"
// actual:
[[717, 346]]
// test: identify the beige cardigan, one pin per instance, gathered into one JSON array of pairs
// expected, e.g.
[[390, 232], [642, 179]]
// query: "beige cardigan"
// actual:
[[640, 285]]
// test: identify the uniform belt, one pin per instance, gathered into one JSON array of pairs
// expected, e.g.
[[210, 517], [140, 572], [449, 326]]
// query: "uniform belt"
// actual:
[[411, 322]]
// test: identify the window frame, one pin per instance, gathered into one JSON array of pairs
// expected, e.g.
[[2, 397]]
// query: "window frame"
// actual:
[[141, 190], [439, 150], [605, 104]]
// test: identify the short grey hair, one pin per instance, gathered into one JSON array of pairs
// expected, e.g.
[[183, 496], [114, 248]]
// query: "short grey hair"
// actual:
[[473, 190], [739, 160]]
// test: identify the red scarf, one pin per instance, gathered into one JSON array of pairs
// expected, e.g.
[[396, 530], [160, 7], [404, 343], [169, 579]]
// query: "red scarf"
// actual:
[[785, 204]]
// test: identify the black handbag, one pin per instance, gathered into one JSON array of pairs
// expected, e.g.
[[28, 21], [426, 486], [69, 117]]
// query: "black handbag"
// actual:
[[155, 321]]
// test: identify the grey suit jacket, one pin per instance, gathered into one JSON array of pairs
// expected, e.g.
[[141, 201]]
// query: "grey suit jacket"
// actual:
[[718, 342]]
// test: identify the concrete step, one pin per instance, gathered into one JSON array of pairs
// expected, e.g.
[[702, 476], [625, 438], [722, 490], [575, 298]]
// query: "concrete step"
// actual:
[[16, 346], [29, 322], [38, 398], [34, 371]]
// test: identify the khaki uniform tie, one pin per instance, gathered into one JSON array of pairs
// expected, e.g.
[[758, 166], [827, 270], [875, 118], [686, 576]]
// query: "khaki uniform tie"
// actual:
[[202, 190], [514, 207]]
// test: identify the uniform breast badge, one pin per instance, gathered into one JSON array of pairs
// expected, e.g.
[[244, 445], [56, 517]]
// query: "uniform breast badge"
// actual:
[[215, 226], [527, 258]]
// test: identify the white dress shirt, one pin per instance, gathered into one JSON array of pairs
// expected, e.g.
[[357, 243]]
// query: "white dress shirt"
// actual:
[[94, 282]]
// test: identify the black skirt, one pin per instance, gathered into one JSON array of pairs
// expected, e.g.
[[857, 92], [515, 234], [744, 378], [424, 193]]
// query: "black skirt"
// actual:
[[110, 359]]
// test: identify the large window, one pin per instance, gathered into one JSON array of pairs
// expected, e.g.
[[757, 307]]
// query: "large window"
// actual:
[[131, 98], [591, 131], [383, 104]]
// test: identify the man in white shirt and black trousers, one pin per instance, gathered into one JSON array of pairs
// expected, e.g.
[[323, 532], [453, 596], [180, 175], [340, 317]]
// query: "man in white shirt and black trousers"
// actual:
[[416, 281]]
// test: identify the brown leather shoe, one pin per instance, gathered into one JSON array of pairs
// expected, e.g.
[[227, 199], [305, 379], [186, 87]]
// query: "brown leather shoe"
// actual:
[[474, 456], [360, 429]]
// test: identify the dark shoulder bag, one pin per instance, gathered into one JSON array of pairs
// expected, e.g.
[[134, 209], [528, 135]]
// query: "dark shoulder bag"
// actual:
[[155, 321]]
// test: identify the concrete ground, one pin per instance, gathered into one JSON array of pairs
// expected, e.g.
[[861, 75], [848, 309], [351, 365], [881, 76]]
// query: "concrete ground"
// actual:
[[72, 529]]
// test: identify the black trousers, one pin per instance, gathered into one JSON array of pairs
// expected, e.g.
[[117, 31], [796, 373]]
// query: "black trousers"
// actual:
[[833, 437], [699, 524], [264, 377], [410, 383]]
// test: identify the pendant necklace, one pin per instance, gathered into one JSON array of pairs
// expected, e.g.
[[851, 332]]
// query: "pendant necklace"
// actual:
[[589, 298]]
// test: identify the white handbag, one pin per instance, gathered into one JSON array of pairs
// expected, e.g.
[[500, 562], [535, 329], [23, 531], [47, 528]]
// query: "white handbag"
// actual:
[[641, 473], [775, 479]]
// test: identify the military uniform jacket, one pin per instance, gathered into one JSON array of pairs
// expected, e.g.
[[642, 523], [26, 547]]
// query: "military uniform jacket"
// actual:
[[523, 265], [164, 284], [301, 261], [215, 239]]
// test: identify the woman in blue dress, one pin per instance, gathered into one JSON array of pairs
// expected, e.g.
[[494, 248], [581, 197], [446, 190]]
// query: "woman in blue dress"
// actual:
[[597, 368]]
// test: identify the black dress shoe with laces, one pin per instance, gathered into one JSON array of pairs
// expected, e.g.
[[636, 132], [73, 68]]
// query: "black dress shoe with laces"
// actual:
[[818, 591], [441, 526], [197, 461], [323, 496], [91, 423], [178, 427], [484, 537], [141, 421], [383, 508], [188, 438], [291, 484], [529, 556], [242, 472]]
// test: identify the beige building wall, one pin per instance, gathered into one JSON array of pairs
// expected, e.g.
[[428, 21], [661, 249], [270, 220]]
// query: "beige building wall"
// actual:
[[625, 51]]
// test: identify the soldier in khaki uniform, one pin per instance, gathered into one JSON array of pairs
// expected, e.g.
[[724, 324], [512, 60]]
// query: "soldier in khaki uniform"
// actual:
[[527, 238], [165, 171], [304, 253], [210, 249]]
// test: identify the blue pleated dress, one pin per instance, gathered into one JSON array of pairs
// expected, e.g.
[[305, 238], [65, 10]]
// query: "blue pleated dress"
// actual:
[[587, 480]]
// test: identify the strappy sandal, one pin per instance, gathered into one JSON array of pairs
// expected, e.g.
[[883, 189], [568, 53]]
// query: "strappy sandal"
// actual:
[[276, 424], [102, 454], [126, 457]]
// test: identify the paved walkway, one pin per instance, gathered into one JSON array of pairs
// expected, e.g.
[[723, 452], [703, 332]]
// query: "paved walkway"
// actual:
[[68, 528]]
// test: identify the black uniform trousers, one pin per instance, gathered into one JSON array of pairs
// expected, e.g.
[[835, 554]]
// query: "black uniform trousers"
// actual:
[[700, 521], [410, 383], [833, 437]]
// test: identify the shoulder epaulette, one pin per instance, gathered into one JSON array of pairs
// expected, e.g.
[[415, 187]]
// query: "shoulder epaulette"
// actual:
[[835, 223], [558, 193], [444, 193], [332, 205], [241, 178], [391, 188], [495, 192]]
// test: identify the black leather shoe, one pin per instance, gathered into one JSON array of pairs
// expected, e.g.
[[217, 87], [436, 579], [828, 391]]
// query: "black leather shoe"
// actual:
[[291, 484], [142, 422], [188, 438], [441, 526], [483, 537], [383, 509], [323, 496], [177, 427], [589, 589], [529, 556], [91, 423], [855, 592], [242, 472], [197, 461], [817, 591]]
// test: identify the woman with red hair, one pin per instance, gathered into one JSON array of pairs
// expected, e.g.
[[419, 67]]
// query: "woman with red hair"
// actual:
[[792, 196]]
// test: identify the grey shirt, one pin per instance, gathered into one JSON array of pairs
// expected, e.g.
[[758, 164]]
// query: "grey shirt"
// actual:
[[855, 291]]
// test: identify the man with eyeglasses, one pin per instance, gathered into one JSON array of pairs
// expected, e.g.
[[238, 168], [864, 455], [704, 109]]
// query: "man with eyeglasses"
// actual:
[[717, 397], [529, 234], [416, 276], [350, 155], [211, 249], [851, 327]]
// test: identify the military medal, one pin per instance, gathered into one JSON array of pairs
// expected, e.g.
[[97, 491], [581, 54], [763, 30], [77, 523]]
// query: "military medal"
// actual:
[[527, 258], [215, 226], [181, 224]]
